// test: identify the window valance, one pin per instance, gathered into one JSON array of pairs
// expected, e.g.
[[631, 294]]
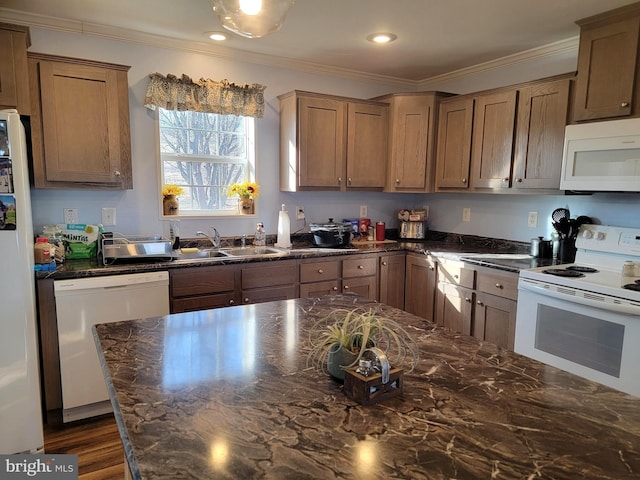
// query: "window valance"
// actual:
[[205, 95]]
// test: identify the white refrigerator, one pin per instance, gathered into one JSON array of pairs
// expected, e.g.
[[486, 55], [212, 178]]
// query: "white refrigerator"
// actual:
[[20, 406]]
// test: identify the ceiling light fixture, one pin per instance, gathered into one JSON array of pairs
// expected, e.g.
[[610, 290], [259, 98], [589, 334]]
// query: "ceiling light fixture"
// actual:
[[252, 18], [382, 37], [217, 36]]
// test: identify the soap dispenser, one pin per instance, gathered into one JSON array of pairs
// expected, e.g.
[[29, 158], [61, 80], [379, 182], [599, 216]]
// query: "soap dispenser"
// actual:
[[284, 229], [260, 239]]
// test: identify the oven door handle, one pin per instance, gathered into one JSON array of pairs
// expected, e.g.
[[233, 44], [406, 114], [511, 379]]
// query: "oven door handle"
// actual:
[[625, 308]]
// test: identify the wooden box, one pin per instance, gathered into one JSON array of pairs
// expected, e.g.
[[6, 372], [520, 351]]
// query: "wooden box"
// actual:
[[370, 390]]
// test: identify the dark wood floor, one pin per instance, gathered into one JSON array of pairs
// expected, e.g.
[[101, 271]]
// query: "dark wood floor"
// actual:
[[97, 443]]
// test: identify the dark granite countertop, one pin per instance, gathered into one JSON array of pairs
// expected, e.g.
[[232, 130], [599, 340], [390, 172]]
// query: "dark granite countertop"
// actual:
[[439, 244], [226, 394]]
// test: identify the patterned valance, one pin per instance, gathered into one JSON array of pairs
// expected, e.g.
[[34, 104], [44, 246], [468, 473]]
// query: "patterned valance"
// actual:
[[205, 95]]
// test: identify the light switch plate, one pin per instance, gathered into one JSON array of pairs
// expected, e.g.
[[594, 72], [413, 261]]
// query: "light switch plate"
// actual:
[[363, 211], [466, 214], [108, 216]]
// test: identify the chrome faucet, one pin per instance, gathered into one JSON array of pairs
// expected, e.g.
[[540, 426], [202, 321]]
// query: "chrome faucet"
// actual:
[[215, 239]]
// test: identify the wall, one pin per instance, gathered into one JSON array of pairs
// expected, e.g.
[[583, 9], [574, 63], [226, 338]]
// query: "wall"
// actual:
[[501, 216]]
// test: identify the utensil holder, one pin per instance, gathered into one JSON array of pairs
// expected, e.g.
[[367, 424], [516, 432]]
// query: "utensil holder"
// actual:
[[567, 250]]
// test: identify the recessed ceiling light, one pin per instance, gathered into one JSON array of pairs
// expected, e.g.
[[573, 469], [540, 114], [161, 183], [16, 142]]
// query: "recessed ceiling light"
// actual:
[[217, 36], [382, 37]]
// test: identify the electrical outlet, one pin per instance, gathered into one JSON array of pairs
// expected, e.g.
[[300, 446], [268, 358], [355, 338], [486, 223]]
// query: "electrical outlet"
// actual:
[[108, 216], [466, 214], [70, 215], [299, 213], [532, 220], [363, 211]]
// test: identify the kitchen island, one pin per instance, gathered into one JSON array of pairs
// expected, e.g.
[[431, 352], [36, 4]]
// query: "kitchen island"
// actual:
[[227, 394]]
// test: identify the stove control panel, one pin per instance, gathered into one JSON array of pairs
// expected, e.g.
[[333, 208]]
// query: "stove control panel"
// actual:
[[608, 239]]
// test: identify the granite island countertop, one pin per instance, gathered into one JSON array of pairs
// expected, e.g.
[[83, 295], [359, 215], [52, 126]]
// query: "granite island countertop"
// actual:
[[227, 394]]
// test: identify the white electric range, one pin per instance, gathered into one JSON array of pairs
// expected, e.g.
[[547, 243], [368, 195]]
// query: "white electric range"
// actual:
[[584, 317]]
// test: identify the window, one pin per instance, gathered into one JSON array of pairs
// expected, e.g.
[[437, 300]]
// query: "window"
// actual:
[[204, 153]]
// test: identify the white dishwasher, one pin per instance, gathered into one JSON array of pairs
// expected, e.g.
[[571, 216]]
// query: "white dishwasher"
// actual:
[[84, 302]]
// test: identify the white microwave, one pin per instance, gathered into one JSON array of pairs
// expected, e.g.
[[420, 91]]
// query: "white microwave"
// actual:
[[602, 157]]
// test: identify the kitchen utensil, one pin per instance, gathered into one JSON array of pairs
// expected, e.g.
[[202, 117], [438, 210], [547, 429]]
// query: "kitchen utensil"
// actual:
[[562, 216], [331, 234]]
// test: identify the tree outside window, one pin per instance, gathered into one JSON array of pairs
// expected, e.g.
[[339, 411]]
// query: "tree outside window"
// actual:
[[204, 153]]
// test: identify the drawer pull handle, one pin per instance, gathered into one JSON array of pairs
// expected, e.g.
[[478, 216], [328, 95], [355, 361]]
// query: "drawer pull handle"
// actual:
[[339, 180], [349, 180], [431, 267], [320, 270], [464, 180], [505, 179], [479, 303], [335, 289], [231, 302], [467, 299], [246, 299], [456, 277], [624, 104], [346, 287], [499, 285], [117, 173], [384, 264], [360, 267], [519, 180]]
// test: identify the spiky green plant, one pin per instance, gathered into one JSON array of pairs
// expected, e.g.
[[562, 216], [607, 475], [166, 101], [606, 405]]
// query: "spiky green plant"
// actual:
[[356, 330]]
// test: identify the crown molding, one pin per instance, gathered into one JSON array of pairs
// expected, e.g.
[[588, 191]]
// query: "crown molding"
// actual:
[[151, 40], [562, 47]]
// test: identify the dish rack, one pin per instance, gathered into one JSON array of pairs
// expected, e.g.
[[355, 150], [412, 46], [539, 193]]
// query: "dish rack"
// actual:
[[116, 246]]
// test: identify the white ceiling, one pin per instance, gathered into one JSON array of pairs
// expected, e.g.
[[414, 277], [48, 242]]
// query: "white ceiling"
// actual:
[[434, 36]]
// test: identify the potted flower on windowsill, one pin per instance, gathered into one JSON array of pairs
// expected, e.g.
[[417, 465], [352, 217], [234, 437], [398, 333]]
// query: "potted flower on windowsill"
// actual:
[[170, 203], [247, 192], [339, 340]]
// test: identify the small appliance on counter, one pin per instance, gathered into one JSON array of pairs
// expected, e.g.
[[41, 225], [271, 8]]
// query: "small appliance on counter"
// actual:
[[116, 246], [331, 234], [413, 223]]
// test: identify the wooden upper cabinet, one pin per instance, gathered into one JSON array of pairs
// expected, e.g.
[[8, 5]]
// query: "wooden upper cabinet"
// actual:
[[606, 84], [367, 127], [14, 78], [322, 142], [542, 117], [412, 141], [332, 143], [492, 142], [453, 151], [80, 123]]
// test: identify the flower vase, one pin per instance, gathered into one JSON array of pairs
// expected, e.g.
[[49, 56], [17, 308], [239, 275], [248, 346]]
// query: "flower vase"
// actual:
[[245, 205], [170, 205], [337, 359]]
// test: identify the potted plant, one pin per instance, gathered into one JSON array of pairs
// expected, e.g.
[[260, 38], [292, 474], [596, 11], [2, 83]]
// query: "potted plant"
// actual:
[[247, 192], [339, 340]]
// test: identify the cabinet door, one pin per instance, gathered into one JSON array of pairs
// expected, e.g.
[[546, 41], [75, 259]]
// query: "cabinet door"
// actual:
[[270, 294], [453, 152], [392, 275], [85, 125], [410, 168], [495, 320], [319, 289], [359, 266], [365, 286], [420, 286], [14, 82], [454, 307], [607, 62], [542, 117], [492, 143], [322, 137], [367, 145]]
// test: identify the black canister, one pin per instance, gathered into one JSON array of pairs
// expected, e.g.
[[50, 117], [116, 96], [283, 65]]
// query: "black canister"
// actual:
[[541, 248]]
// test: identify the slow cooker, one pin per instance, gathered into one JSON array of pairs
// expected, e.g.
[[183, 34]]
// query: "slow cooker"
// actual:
[[331, 234]]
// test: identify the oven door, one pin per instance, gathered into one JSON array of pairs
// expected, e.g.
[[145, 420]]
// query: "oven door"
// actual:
[[590, 338]]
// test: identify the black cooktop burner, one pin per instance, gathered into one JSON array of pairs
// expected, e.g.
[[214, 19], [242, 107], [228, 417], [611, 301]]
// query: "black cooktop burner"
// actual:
[[632, 286], [563, 272], [578, 268]]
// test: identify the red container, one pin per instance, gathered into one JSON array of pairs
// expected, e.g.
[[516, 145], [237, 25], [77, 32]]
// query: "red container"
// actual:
[[379, 231], [363, 226]]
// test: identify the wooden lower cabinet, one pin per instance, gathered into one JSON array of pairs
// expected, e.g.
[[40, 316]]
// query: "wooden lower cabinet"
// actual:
[[420, 285], [201, 288], [353, 274], [319, 289], [454, 307], [392, 268], [495, 320]]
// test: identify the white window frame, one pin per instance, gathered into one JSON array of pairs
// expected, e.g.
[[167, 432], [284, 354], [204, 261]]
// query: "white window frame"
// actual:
[[250, 170]]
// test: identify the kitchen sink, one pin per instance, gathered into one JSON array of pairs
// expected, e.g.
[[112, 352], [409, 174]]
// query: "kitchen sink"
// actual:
[[204, 253], [254, 252]]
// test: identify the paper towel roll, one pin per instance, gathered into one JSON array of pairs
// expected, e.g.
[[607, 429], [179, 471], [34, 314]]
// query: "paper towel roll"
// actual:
[[284, 229]]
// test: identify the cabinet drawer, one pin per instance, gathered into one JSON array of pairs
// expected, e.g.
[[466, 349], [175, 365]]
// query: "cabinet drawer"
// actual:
[[359, 267], [270, 294], [455, 273], [319, 289], [203, 302], [204, 280], [267, 275], [496, 282], [319, 271]]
